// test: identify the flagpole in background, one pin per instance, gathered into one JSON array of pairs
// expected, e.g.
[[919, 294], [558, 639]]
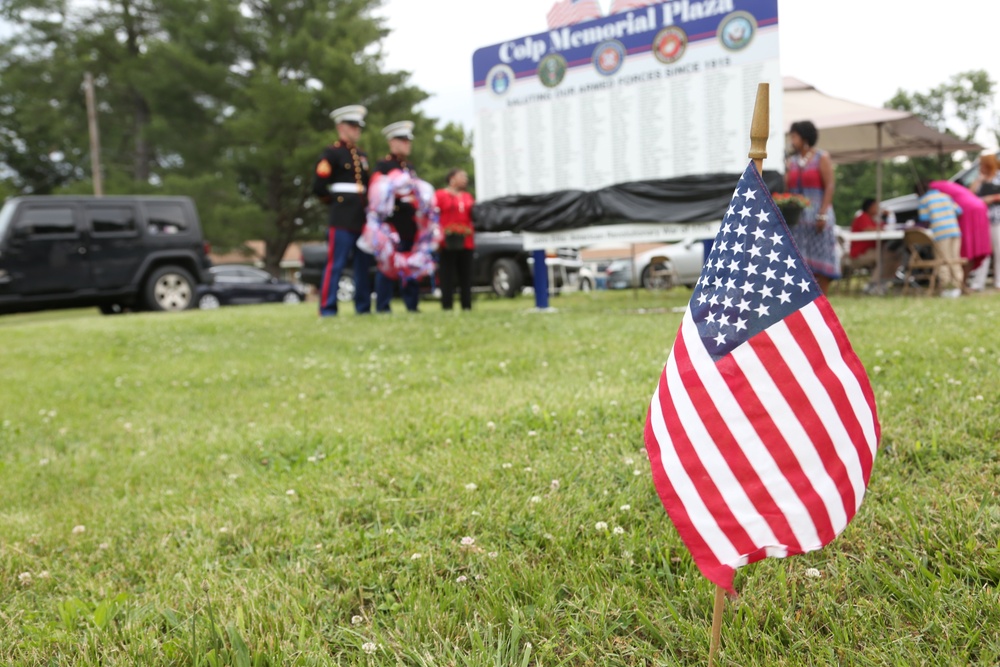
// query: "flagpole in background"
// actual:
[[760, 129]]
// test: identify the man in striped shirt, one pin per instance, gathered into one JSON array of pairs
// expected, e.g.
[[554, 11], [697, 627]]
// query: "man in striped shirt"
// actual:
[[941, 212]]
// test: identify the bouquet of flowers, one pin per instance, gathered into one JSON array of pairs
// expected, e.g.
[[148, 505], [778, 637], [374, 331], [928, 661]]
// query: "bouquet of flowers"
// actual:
[[790, 205]]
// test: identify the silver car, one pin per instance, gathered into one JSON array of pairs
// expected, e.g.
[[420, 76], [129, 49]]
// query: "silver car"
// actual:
[[661, 267]]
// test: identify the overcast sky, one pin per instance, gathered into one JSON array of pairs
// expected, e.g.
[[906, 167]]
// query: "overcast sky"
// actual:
[[861, 50]]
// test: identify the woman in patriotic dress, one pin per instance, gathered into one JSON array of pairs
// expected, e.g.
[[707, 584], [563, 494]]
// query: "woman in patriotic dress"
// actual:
[[809, 172]]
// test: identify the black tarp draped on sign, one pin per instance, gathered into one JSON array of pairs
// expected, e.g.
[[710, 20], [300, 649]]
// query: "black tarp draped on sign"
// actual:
[[680, 200]]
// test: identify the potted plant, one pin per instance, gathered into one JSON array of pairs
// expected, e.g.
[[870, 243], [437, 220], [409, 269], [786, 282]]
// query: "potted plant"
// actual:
[[790, 205]]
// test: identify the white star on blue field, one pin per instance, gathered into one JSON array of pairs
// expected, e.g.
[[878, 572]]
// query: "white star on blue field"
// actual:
[[754, 275]]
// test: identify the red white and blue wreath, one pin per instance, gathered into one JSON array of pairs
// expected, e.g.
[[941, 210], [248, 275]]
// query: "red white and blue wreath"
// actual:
[[384, 191]]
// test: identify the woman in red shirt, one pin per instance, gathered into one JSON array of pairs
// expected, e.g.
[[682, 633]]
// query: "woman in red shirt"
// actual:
[[455, 205]]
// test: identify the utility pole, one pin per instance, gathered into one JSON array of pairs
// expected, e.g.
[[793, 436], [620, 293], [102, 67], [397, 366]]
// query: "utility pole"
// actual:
[[95, 139]]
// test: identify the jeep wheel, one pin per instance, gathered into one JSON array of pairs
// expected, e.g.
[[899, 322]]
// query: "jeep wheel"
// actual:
[[507, 278], [169, 288], [209, 302]]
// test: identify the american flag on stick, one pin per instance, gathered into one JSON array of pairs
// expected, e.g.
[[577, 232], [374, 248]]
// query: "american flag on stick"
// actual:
[[762, 431], [569, 12], [619, 6]]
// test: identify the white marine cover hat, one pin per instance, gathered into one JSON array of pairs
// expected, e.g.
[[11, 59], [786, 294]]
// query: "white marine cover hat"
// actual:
[[354, 113], [399, 130]]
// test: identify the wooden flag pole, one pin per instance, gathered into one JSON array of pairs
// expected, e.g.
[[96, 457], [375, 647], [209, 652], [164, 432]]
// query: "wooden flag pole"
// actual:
[[720, 603], [760, 126], [760, 129]]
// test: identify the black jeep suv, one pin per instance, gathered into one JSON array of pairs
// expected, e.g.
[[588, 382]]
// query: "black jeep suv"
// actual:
[[115, 253]]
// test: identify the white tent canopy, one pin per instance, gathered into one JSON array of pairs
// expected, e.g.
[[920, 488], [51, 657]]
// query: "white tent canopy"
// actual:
[[853, 132]]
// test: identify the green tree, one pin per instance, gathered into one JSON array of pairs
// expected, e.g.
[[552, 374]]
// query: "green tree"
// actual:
[[228, 102]]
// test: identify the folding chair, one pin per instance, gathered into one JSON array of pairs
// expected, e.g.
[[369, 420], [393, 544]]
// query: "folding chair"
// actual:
[[923, 259]]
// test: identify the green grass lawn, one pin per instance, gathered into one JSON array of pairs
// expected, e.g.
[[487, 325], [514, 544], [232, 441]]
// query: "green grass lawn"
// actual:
[[256, 486]]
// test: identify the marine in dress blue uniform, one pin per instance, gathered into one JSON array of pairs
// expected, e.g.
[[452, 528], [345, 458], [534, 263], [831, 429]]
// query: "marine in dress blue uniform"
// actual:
[[403, 219], [341, 180]]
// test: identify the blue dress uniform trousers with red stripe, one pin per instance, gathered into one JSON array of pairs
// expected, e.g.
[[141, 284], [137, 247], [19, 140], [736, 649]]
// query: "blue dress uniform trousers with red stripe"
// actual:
[[341, 180], [404, 222]]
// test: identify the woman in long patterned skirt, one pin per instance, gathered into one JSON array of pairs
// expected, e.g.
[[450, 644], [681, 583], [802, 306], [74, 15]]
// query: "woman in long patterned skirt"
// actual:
[[809, 172]]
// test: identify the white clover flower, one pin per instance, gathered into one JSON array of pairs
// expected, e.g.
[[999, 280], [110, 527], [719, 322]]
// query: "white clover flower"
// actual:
[[636, 472], [611, 436], [629, 460], [535, 409], [103, 546], [369, 647], [535, 499], [579, 431], [979, 398], [390, 531], [618, 530], [528, 469], [416, 556], [480, 577], [311, 459], [532, 434], [290, 492], [79, 529], [549, 536], [44, 574], [475, 513], [614, 402], [813, 573], [471, 486], [493, 554], [43, 462], [24, 578], [554, 485], [601, 525], [625, 508], [468, 541], [491, 426], [462, 579], [224, 529], [356, 620], [876, 369], [507, 466]]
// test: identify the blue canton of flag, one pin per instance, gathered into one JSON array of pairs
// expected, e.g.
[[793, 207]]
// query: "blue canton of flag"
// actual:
[[754, 276]]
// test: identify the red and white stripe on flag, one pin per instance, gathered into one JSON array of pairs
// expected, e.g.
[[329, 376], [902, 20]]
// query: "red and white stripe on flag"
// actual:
[[619, 6], [762, 431], [569, 12]]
